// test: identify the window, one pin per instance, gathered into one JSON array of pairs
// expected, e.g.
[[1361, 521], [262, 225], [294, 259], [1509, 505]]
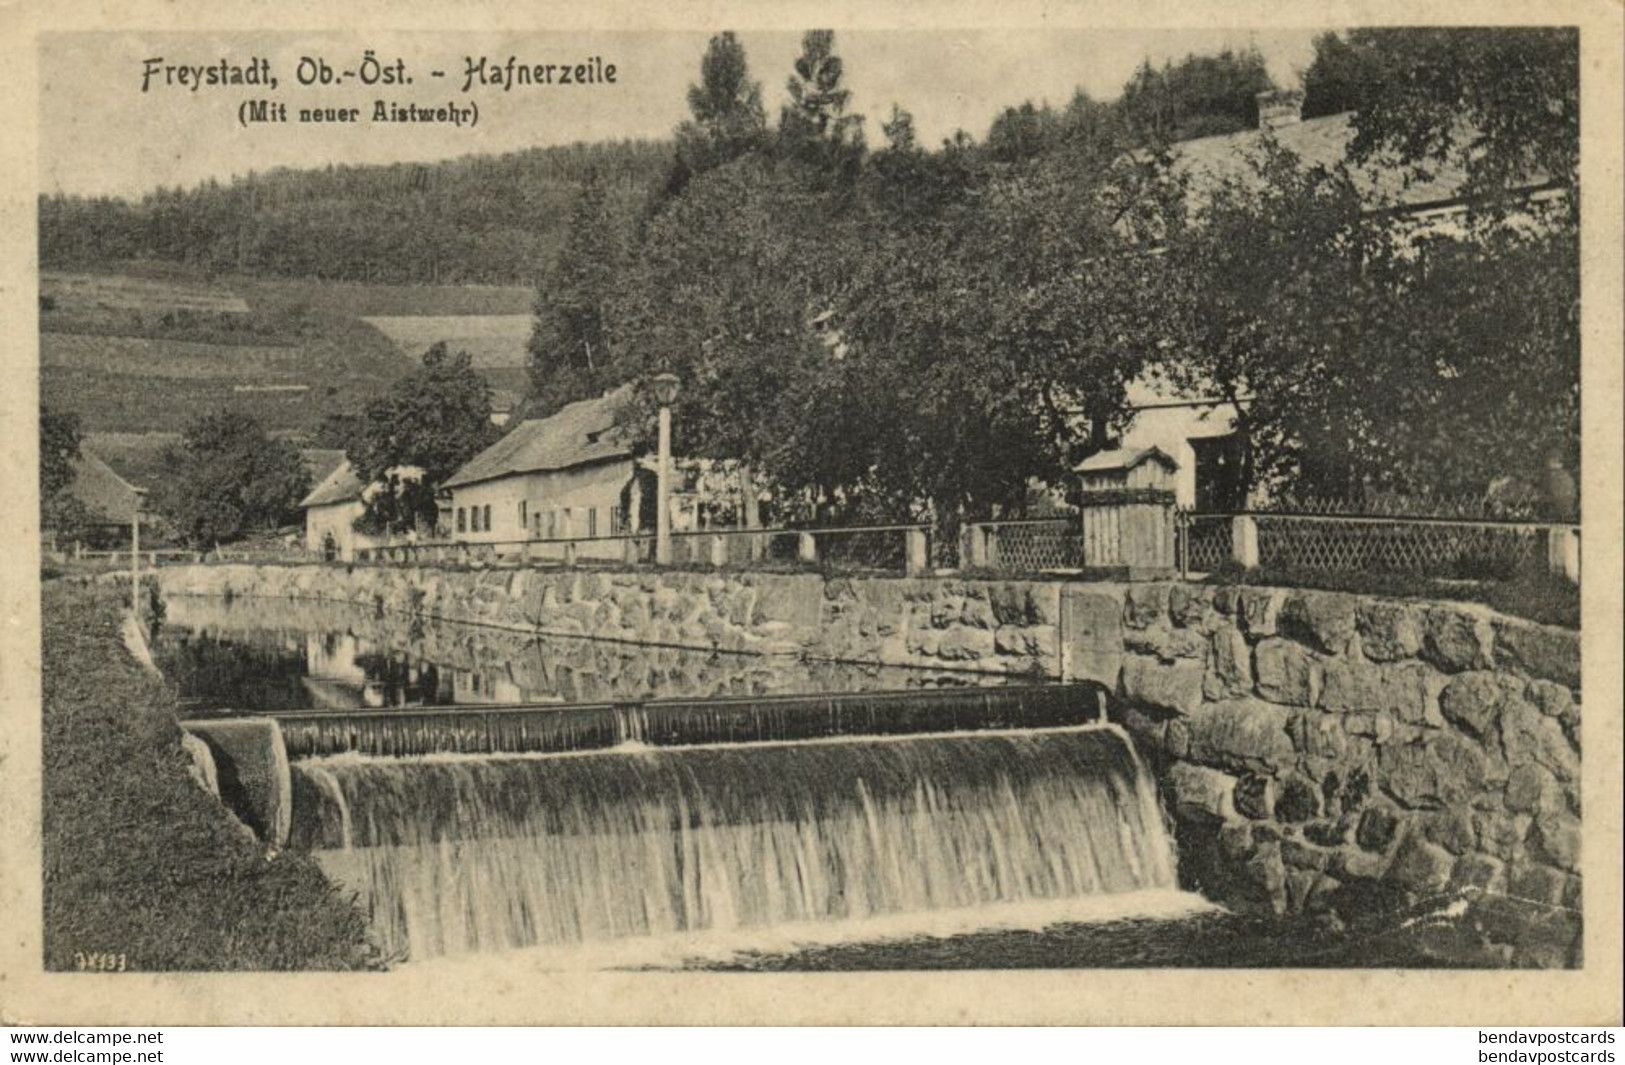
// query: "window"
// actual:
[[487, 517], [566, 529], [474, 519], [617, 521], [522, 521], [462, 520], [592, 521]]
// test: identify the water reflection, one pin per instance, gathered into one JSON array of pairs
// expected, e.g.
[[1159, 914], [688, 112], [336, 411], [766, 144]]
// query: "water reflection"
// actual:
[[270, 656]]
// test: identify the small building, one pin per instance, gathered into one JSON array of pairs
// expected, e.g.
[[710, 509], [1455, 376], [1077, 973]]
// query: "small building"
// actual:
[[1122, 467], [331, 510], [571, 475], [110, 503]]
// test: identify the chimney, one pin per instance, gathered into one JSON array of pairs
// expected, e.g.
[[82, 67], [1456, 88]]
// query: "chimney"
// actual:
[[1279, 107]]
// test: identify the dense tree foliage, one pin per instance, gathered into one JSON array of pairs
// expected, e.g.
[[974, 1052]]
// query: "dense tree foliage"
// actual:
[[728, 118], [60, 438], [477, 219], [1503, 103], [229, 479], [1197, 97], [569, 346], [416, 435]]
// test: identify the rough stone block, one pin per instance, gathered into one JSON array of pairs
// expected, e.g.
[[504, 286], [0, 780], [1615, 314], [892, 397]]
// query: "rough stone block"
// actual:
[[1451, 829], [1199, 792], [793, 598], [1297, 799], [1189, 604], [1145, 605], [1175, 686], [1322, 620], [1261, 611], [1419, 865], [1538, 883], [1532, 788], [1541, 651], [1527, 735], [1502, 833], [1388, 630], [1472, 702], [1457, 638], [1286, 672], [1443, 770], [1378, 828], [1479, 871], [978, 614], [1352, 863], [1092, 628], [1554, 700], [1255, 796], [1241, 735], [1230, 670], [1350, 684], [1555, 839], [962, 644]]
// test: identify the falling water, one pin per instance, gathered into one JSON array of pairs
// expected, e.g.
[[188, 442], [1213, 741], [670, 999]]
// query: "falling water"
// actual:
[[454, 854]]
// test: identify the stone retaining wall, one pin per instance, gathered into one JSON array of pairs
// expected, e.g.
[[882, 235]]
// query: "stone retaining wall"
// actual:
[[1311, 745]]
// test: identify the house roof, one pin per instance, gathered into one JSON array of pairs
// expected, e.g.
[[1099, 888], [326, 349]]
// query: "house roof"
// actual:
[[580, 433], [1320, 141], [1124, 458], [339, 486], [105, 493]]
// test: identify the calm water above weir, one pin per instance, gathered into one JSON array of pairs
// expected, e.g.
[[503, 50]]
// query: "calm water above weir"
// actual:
[[273, 656]]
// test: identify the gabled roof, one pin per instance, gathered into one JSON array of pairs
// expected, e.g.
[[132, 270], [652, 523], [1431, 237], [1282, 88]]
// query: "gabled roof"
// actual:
[[581, 433], [1124, 458], [1320, 141], [340, 486], [107, 495]]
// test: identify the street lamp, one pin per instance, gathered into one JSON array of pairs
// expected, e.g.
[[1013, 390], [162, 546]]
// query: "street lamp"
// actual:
[[664, 387]]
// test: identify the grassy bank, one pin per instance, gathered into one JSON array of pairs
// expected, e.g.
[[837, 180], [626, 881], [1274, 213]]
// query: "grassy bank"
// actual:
[[138, 860]]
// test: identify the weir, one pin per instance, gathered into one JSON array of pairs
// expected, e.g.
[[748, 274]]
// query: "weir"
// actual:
[[453, 854], [683, 722]]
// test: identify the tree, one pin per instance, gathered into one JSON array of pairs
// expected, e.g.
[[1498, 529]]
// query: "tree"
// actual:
[[729, 120], [60, 439], [569, 344], [229, 478], [1377, 356], [1502, 103], [1197, 97], [416, 435], [814, 126]]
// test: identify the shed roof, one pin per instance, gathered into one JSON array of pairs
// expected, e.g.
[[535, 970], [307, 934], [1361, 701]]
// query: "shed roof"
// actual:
[[580, 433], [1124, 458]]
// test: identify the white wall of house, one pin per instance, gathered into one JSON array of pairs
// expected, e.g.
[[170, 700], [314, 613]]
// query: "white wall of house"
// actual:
[[1172, 429], [339, 520], [577, 502]]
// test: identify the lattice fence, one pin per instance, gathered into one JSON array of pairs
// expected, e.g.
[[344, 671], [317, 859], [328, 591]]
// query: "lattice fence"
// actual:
[[1035, 546], [1426, 548], [1204, 542]]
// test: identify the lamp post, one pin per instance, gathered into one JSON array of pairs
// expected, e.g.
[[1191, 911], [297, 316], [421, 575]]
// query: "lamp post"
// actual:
[[664, 386], [135, 555]]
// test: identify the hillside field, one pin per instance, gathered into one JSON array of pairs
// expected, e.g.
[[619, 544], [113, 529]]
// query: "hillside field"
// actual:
[[145, 348]]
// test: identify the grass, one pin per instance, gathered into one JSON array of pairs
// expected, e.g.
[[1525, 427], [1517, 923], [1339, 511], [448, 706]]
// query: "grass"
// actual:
[[1536, 596], [138, 860]]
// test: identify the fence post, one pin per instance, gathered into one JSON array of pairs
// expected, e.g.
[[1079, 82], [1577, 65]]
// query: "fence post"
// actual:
[[1563, 551], [914, 552], [1244, 541], [808, 547], [719, 552], [978, 538]]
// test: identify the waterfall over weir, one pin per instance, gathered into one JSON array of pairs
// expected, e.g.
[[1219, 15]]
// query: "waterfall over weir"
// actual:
[[454, 854]]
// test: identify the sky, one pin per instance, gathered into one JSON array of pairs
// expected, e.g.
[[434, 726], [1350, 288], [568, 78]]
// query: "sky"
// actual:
[[101, 134]]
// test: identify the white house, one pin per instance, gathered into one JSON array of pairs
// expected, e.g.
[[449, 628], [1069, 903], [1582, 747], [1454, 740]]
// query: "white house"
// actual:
[[331, 509], [569, 475], [1198, 431]]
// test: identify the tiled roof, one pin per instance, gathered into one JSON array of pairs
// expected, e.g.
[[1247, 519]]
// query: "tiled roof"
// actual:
[[1317, 141], [340, 486], [580, 433], [105, 493]]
